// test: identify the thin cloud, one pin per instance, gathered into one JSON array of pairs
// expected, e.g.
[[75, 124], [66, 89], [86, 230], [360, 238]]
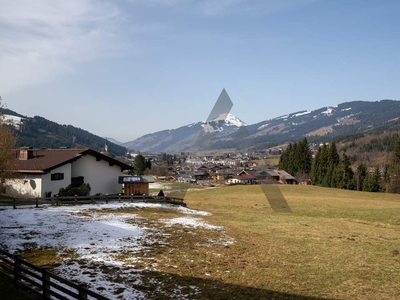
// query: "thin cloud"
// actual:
[[226, 7], [43, 38]]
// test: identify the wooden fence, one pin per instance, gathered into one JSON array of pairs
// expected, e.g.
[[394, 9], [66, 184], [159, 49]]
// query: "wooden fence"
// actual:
[[40, 282], [93, 199]]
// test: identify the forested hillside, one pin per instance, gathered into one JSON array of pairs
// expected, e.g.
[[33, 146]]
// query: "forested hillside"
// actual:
[[38, 132]]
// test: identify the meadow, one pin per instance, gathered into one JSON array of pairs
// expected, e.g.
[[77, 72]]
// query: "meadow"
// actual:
[[335, 244]]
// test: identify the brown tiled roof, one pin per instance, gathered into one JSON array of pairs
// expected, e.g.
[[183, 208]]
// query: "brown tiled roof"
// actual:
[[44, 160], [244, 177]]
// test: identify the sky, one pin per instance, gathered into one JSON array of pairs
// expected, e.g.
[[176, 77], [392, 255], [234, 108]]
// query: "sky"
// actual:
[[125, 68]]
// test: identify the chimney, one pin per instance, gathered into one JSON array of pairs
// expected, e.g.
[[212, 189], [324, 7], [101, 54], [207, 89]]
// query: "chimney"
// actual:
[[25, 153]]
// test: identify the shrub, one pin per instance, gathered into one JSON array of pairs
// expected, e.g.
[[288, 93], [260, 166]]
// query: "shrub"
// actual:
[[82, 190]]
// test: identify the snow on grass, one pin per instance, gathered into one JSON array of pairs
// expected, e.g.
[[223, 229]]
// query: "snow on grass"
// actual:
[[190, 222], [104, 238]]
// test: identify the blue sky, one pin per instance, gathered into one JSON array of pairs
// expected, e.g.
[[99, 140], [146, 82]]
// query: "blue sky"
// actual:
[[125, 68]]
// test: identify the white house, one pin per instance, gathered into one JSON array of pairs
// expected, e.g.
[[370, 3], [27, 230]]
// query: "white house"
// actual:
[[42, 172], [244, 177]]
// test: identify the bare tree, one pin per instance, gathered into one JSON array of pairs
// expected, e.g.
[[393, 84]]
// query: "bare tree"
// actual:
[[7, 150]]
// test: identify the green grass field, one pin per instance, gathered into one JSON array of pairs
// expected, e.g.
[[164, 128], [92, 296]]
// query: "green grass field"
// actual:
[[335, 244]]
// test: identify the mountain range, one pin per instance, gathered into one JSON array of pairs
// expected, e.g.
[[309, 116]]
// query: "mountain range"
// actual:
[[229, 132], [355, 119]]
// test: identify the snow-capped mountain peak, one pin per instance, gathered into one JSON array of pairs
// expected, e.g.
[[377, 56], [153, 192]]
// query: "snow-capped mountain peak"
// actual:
[[218, 123], [230, 120]]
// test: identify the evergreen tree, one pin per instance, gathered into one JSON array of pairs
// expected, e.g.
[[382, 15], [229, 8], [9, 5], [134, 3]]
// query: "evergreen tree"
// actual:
[[285, 160], [386, 177], [332, 158], [303, 157], [344, 175], [361, 174], [372, 182], [139, 164], [319, 165], [297, 158]]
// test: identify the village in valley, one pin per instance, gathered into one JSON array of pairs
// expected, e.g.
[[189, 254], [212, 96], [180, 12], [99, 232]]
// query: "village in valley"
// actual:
[[216, 170]]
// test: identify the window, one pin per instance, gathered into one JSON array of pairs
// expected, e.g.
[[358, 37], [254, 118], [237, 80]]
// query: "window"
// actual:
[[77, 181], [57, 176]]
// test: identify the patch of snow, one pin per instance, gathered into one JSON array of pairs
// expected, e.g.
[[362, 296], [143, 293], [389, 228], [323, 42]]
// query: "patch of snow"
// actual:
[[13, 120], [209, 128], [328, 111], [158, 185], [300, 114], [281, 117], [97, 236], [231, 120], [190, 222], [344, 109], [263, 126]]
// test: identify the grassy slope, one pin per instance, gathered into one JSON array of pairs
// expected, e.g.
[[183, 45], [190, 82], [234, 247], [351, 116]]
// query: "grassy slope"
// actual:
[[336, 243]]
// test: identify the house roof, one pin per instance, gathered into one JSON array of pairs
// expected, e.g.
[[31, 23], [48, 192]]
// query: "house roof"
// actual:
[[280, 173], [45, 160], [244, 177]]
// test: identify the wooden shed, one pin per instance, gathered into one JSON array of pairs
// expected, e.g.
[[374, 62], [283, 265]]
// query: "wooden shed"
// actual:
[[136, 185]]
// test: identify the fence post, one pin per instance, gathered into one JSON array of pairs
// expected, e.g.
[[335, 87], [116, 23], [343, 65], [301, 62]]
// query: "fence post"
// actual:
[[119, 198], [76, 199], [57, 203], [45, 283], [93, 199], [37, 202], [131, 198], [17, 269], [106, 198], [15, 203], [82, 291]]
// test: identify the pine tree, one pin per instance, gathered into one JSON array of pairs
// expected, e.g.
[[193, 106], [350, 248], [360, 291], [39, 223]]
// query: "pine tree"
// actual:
[[297, 158], [372, 182], [361, 174], [319, 165], [303, 157], [139, 164], [333, 159], [344, 175]]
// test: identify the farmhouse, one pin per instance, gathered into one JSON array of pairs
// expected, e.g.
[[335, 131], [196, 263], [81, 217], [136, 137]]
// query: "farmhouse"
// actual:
[[42, 172], [280, 176]]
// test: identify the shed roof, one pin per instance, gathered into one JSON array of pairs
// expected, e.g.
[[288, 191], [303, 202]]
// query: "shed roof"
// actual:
[[135, 179]]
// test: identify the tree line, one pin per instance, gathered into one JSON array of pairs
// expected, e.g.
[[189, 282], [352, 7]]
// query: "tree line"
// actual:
[[329, 169]]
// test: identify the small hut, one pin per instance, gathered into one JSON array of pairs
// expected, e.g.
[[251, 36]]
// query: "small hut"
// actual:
[[135, 185]]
